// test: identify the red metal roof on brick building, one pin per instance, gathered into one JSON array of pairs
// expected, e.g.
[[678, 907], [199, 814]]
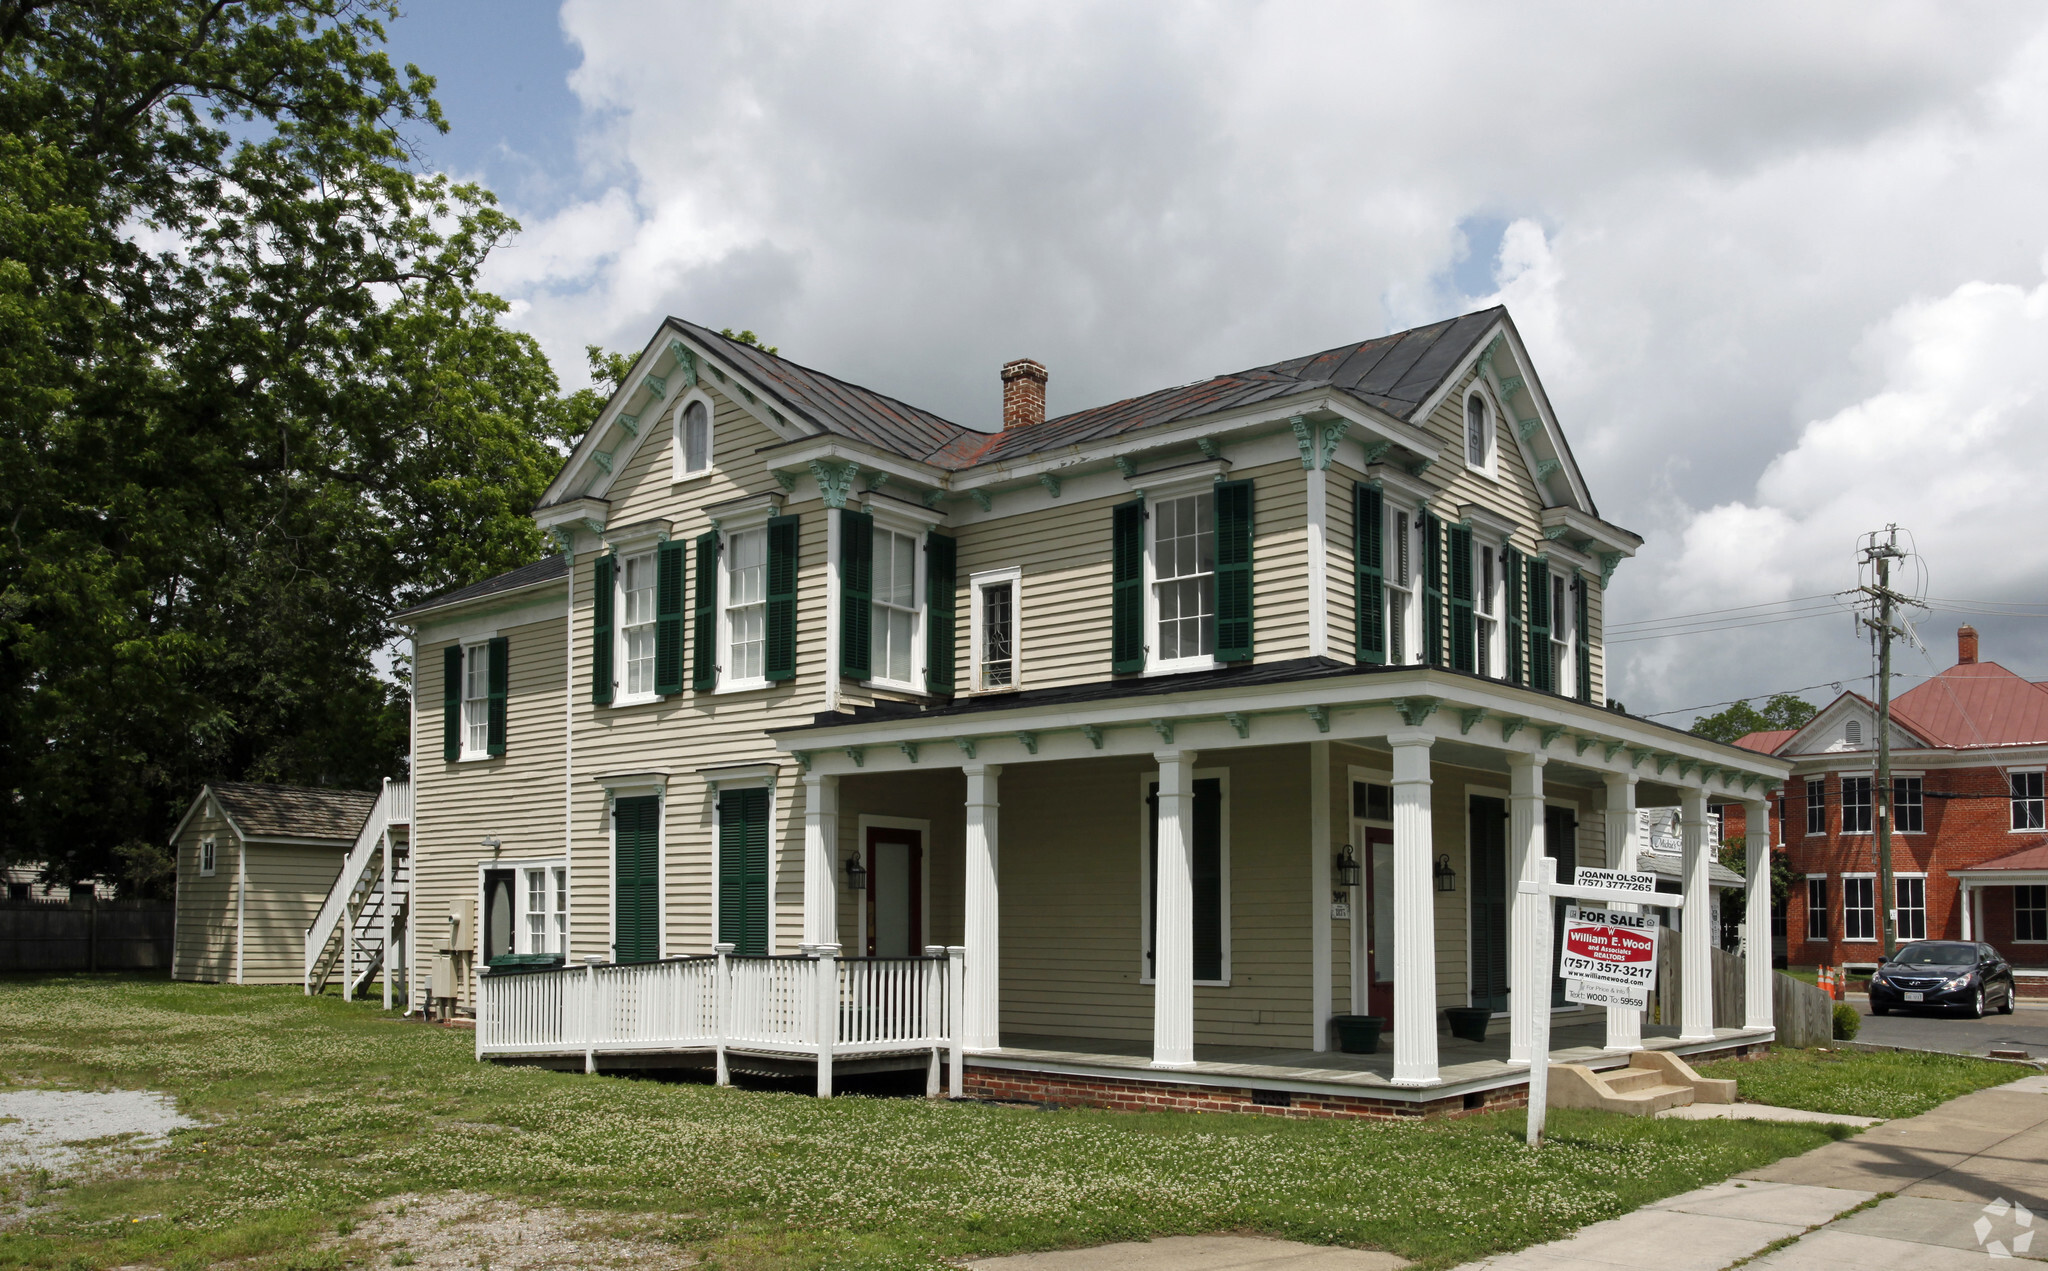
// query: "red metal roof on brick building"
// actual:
[[2026, 858], [1767, 741], [1976, 704]]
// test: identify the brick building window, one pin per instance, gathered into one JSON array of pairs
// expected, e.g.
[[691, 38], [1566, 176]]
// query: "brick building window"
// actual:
[[2028, 812], [2030, 913], [1909, 815], [1859, 908], [1817, 907], [1855, 805], [1817, 805], [1912, 915]]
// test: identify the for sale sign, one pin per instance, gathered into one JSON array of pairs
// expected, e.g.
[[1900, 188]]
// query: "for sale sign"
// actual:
[[1615, 880], [1595, 993], [1608, 946]]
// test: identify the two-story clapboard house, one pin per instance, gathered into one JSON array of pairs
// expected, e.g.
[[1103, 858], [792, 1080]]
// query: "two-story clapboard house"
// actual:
[[1269, 687]]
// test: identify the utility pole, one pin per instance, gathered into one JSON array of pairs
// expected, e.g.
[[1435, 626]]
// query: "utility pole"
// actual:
[[1882, 555]]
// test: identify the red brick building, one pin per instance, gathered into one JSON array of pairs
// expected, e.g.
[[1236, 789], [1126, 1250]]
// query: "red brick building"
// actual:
[[1970, 828]]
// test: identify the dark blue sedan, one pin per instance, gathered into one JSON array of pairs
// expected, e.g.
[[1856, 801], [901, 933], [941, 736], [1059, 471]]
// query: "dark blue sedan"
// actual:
[[1943, 973]]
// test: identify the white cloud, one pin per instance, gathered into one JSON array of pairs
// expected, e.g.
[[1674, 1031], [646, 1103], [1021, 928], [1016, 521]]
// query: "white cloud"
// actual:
[[1741, 236]]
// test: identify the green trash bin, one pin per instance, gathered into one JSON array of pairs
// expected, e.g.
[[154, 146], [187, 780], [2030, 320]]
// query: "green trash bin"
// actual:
[[1358, 1034]]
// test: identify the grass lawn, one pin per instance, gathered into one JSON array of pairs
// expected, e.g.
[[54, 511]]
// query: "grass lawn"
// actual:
[[1860, 1083], [318, 1108]]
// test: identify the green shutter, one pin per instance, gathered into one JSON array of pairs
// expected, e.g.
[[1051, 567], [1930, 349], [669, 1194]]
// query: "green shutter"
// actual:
[[1432, 590], [601, 595], [1511, 575], [451, 703], [782, 555], [1126, 588], [1464, 635], [941, 583], [1233, 571], [1585, 645], [743, 870], [1542, 668], [856, 594], [636, 879], [499, 675], [670, 560], [704, 656], [1369, 568]]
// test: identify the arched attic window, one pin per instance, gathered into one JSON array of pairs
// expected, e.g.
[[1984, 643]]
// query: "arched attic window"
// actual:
[[693, 439], [1478, 432], [1852, 732]]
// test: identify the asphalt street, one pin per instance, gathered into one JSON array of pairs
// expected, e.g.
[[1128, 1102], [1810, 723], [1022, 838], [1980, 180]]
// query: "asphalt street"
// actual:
[[2026, 1027]]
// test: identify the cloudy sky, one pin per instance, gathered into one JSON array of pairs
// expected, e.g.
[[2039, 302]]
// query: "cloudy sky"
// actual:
[[1781, 267]]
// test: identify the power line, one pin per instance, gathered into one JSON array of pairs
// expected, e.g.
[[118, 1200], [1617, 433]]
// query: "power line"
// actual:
[[1729, 626], [1711, 613], [1833, 684]]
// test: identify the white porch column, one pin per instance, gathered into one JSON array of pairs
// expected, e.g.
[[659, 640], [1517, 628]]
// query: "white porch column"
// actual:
[[1414, 913], [821, 847], [1963, 895], [1320, 847], [1624, 1024], [1696, 935], [1173, 914], [981, 1009], [1756, 965], [1528, 983]]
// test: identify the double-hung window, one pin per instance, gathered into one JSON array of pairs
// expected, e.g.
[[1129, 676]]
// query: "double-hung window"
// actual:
[[2028, 810], [1486, 608], [1563, 627], [206, 857], [2030, 912], [893, 626], [994, 600], [1909, 812], [1911, 913], [1859, 908], [693, 439], [1184, 579], [1400, 569], [1816, 907], [476, 700], [636, 623], [1855, 805], [745, 586], [1816, 805], [544, 910]]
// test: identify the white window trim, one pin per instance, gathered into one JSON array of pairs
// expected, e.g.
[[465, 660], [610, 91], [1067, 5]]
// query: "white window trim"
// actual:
[[1842, 803], [976, 584], [1566, 672], [1166, 492], [209, 856], [632, 787], [1496, 639], [2016, 914], [2010, 828], [1876, 912], [1145, 781], [1822, 832], [924, 878], [522, 942], [744, 521], [678, 475], [475, 651], [1892, 809], [891, 521], [621, 696], [1489, 469], [1410, 586], [1897, 877], [1822, 938]]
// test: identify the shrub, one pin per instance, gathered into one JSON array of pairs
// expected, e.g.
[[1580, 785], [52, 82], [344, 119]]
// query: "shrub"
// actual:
[[1847, 1022]]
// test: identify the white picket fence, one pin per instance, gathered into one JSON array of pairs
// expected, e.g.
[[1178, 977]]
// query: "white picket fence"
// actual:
[[813, 1005]]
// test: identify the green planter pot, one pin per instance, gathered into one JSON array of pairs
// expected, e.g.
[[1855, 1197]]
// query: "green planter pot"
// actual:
[[1468, 1023], [1358, 1034]]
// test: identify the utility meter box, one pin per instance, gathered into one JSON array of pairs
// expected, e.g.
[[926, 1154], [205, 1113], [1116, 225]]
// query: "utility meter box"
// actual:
[[462, 925], [444, 976]]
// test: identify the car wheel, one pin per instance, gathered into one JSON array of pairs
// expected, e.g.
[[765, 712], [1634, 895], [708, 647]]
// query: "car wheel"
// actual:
[[1875, 1009], [2005, 1003], [1976, 1007]]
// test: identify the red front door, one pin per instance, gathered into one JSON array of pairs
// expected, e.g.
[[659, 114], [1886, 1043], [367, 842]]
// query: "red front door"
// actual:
[[1377, 861]]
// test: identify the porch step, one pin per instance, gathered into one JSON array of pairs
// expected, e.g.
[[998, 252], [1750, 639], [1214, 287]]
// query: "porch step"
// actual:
[[1677, 1072], [1623, 1080], [1577, 1086]]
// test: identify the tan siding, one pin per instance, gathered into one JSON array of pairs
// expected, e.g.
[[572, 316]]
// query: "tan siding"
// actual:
[[204, 945], [287, 886], [1279, 560]]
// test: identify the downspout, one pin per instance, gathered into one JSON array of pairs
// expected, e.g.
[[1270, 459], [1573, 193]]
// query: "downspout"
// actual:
[[568, 542], [241, 898]]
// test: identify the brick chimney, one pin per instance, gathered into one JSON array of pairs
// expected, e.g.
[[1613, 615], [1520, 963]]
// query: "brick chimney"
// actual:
[[1966, 645], [1023, 393]]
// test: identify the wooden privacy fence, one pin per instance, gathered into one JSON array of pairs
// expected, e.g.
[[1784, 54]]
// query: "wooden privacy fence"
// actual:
[[1802, 1014], [100, 935], [810, 1006]]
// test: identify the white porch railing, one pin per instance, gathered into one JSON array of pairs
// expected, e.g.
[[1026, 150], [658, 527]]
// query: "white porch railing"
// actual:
[[812, 1006]]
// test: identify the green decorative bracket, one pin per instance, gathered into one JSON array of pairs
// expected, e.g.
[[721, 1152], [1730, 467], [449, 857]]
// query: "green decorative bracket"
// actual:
[[1526, 428], [776, 415], [1608, 562], [1665, 761], [982, 500], [1029, 741], [1321, 716], [1748, 780], [966, 745], [716, 373], [1510, 726], [749, 395], [1469, 719], [1304, 438], [1050, 482], [1209, 448], [1547, 735], [909, 749], [803, 760], [603, 459], [876, 480], [1333, 432], [565, 542], [1552, 533], [1637, 755], [1093, 734], [1584, 743], [1376, 451], [1164, 727], [834, 483], [1415, 709], [1546, 468], [1509, 386], [1241, 723], [1610, 750], [686, 363], [631, 423], [1686, 766], [655, 384], [1126, 467], [858, 755], [932, 498], [787, 480], [1420, 466]]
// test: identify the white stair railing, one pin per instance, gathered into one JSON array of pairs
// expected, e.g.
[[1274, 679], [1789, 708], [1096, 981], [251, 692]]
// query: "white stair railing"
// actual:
[[393, 807]]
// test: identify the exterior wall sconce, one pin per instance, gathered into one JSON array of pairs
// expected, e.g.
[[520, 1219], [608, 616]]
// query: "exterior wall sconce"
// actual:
[[495, 844], [1446, 877], [1347, 867], [856, 874]]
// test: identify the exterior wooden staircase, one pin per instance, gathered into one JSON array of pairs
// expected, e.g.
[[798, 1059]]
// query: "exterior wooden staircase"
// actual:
[[1653, 1081], [361, 925]]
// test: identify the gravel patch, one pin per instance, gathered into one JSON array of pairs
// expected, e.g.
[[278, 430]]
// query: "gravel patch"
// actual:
[[62, 1130], [465, 1229]]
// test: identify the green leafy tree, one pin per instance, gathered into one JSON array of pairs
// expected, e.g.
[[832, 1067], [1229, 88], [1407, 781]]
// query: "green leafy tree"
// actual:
[[251, 403], [749, 338], [1782, 710]]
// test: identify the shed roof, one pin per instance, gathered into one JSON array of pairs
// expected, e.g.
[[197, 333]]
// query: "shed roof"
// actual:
[[547, 569], [311, 812]]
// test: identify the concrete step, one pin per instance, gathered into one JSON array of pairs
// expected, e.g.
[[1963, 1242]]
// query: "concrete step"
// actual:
[[1670, 1068], [1621, 1080], [1577, 1086]]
